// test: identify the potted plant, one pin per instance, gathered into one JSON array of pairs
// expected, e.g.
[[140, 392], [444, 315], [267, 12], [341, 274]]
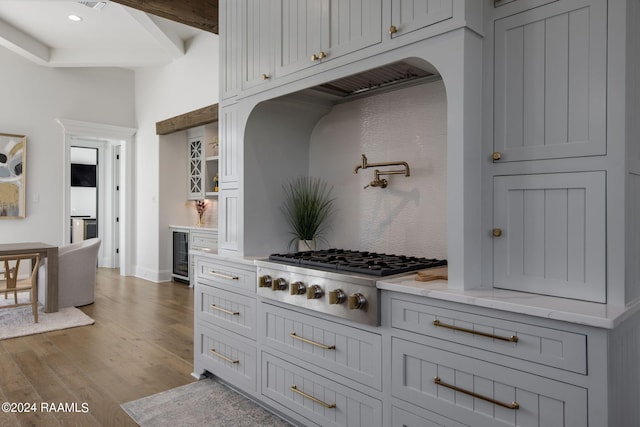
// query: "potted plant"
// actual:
[[307, 206]]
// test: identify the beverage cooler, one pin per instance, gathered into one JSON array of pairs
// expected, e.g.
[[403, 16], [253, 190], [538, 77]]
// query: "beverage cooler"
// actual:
[[180, 269]]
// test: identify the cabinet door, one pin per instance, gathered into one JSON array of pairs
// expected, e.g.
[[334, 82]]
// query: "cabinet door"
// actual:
[[230, 43], [230, 148], [553, 234], [479, 393], [229, 205], [258, 42], [196, 169], [324, 28], [550, 81], [411, 15]]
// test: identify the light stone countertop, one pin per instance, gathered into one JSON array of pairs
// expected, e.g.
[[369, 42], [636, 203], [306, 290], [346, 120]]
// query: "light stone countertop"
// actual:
[[580, 312]]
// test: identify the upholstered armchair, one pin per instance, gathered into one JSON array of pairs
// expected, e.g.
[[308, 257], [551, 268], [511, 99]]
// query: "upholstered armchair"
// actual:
[[77, 264]]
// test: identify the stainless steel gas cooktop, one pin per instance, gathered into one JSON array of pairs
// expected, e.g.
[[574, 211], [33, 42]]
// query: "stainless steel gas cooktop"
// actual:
[[370, 263]]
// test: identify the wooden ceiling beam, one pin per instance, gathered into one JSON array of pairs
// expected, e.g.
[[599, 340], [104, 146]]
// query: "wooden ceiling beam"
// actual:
[[202, 14], [202, 116]]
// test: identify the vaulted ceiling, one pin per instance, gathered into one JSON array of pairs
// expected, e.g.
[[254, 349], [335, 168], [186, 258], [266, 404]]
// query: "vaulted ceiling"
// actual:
[[118, 33]]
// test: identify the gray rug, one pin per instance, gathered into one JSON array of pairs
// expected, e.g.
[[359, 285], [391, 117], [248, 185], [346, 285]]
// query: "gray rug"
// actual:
[[201, 403], [18, 321]]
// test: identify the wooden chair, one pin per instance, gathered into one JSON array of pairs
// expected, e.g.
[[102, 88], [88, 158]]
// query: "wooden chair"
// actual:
[[10, 283]]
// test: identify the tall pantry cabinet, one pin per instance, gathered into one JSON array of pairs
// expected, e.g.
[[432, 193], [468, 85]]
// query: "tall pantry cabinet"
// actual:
[[561, 149]]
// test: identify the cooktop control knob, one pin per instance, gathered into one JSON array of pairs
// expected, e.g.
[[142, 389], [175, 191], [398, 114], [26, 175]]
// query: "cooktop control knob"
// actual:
[[337, 296], [298, 288], [279, 284], [314, 292], [357, 301], [264, 281]]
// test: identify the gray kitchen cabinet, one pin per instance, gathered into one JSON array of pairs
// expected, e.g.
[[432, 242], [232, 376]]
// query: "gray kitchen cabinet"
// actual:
[[314, 397], [230, 23], [196, 169], [230, 155], [403, 418], [346, 351], [550, 234], [203, 162], [316, 31], [480, 393], [482, 367], [224, 322], [411, 15], [550, 68], [258, 42]]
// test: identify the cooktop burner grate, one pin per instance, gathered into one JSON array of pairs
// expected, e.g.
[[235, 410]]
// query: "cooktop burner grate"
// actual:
[[370, 263]]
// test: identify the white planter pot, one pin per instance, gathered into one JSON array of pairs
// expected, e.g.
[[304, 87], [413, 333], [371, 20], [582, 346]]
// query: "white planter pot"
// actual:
[[306, 245]]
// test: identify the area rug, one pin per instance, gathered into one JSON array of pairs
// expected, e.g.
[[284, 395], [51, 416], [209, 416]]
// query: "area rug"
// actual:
[[201, 403], [17, 322]]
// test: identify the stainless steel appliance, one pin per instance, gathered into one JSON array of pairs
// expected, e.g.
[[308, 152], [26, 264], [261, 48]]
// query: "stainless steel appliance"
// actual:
[[337, 282]]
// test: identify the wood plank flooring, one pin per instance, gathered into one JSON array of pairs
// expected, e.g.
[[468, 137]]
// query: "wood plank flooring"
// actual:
[[141, 344]]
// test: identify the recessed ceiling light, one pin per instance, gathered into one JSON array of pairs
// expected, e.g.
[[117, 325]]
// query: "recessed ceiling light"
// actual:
[[74, 18]]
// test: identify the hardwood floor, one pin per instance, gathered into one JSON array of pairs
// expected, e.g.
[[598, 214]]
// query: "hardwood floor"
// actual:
[[141, 344]]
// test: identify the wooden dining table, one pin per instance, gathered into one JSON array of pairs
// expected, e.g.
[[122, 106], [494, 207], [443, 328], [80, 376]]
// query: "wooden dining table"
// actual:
[[45, 250]]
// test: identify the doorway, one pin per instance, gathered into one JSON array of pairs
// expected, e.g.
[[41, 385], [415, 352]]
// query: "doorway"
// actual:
[[114, 185]]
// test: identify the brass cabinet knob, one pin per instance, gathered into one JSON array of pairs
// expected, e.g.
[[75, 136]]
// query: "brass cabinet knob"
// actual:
[[497, 232], [314, 57], [393, 29], [265, 76], [322, 55], [496, 156]]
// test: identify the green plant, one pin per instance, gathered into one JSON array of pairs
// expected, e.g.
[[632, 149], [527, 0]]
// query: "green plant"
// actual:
[[307, 206]]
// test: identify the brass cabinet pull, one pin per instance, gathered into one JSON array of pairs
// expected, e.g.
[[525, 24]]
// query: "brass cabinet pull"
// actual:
[[223, 357], [512, 405], [223, 276], [317, 344], [496, 232], [311, 398], [234, 313], [496, 156], [512, 338], [265, 76], [393, 29], [317, 57]]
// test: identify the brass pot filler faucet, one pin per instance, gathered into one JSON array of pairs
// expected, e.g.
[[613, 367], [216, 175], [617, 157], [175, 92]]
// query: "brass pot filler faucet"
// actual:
[[377, 182]]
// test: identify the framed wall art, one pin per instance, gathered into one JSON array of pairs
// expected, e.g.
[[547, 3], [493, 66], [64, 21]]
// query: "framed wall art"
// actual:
[[12, 175]]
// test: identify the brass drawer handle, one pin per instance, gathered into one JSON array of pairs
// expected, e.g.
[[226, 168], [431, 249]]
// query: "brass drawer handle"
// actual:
[[512, 338], [223, 357], [222, 276], [317, 344], [512, 405], [233, 313], [311, 398]]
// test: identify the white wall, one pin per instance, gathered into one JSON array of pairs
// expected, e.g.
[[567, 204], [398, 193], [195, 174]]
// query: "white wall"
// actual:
[[408, 217], [185, 85], [32, 98]]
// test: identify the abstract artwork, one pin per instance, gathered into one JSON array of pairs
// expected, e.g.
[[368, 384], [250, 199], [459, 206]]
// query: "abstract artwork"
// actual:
[[12, 175]]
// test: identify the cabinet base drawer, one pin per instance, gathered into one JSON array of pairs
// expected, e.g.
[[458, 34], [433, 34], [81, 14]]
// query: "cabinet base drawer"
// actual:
[[228, 310], [226, 275], [346, 351], [550, 347], [479, 393], [315, 397], [227, 357]]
